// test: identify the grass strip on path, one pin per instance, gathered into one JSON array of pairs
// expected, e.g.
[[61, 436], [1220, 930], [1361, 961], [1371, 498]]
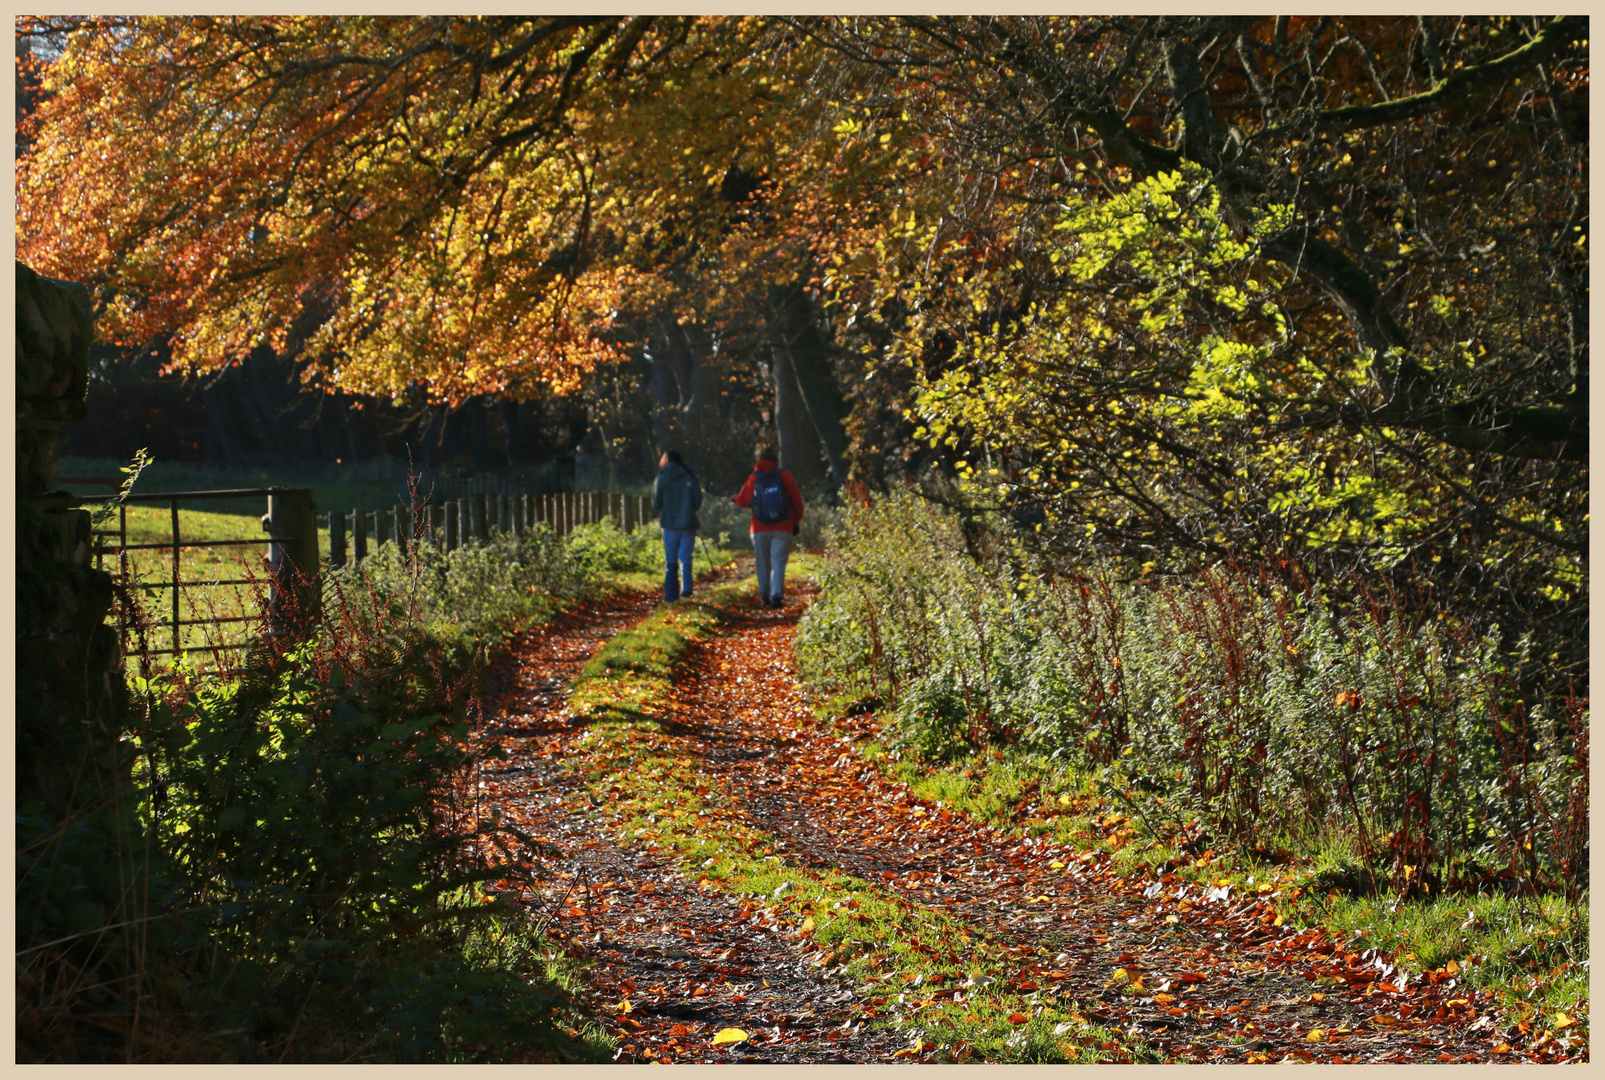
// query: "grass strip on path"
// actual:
[[938, 978], [1523, 951]]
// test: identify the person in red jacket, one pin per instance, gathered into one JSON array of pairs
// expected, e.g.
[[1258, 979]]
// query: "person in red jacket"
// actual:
[[777, 510]]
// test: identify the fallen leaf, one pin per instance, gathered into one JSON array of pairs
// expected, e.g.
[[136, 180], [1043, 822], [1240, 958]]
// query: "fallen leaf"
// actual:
[[1019, 1018], [729, 1035]]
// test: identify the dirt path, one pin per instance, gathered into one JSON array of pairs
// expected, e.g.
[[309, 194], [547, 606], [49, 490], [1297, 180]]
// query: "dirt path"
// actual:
[[714, 967], [1215, 980]]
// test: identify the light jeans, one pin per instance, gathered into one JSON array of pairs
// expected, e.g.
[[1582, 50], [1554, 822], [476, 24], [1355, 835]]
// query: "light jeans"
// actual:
[[771, 549], [677, 547]]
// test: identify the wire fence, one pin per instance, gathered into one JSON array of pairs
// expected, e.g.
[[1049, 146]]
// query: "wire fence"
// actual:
[[179, 593]]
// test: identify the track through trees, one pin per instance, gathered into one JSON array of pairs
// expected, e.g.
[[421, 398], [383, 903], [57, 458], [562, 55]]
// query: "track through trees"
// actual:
[[676, 956]]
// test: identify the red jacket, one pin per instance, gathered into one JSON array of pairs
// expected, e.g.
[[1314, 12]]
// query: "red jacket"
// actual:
[[793, 496]]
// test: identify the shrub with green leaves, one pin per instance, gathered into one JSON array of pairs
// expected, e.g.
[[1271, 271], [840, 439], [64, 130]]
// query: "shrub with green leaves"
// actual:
[[322, 843], [604, 547], [504, 584], [1252, 708]]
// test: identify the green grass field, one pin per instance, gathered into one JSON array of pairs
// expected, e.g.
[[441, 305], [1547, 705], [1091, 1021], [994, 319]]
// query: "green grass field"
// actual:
[[333, 487], [204, 569], [204, 572]]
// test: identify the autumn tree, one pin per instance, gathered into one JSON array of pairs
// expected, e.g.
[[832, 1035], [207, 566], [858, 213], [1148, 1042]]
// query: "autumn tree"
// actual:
[[480, 206], [1205, 287], [431, 182], [1167, 288]]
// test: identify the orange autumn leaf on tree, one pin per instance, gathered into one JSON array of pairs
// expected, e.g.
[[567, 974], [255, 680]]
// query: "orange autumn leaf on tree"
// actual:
[[421, 200]]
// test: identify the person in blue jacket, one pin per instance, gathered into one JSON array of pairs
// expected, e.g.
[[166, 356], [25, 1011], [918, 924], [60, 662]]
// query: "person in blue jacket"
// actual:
[[676, 495]]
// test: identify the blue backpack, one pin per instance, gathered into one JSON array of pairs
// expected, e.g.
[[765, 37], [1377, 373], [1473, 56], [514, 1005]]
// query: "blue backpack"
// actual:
[[769, 503]]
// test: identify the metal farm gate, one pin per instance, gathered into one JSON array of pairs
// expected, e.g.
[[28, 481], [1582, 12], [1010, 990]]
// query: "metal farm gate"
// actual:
[[289, 579], [292, 558]]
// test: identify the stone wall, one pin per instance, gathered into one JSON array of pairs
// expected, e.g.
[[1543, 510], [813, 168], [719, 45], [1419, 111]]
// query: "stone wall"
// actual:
[[71, 698]]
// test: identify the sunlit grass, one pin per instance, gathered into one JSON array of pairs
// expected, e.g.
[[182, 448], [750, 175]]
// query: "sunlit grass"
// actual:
[[216, 582], [899, 951], [1529, 953]]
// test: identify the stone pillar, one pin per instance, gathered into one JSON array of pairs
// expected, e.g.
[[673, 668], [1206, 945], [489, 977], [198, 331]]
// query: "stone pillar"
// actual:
[[70, 697]]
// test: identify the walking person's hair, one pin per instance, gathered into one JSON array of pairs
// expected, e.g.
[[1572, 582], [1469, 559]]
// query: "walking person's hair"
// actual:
[[674, 456], [765, 452]]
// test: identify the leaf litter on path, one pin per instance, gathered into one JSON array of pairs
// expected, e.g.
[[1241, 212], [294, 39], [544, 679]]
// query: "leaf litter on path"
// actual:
[[1190, 974]]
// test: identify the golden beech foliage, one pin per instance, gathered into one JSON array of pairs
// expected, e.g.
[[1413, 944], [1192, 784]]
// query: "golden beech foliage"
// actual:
[[1171, 287], [1170, 284], [466, 204]]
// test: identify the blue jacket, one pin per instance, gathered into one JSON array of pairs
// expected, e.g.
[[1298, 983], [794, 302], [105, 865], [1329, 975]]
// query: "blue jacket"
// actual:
[[676, 494]]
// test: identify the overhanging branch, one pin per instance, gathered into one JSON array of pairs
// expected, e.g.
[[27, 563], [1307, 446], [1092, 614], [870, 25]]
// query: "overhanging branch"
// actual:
[[1557, 35]]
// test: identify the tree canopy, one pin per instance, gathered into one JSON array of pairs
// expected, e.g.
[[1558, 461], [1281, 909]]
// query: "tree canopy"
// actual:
[[1223, 285], [1166, 287]]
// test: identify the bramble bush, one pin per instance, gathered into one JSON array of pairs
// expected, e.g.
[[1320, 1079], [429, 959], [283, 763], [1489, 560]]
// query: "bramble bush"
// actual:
[[1248, 707]]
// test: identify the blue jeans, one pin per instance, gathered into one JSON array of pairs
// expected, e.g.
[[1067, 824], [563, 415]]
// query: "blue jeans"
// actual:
[[771, 549], [677, 545]]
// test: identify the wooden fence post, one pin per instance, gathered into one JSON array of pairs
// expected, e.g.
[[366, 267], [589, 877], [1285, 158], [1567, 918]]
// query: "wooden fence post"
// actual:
[[359, 535], [481, 526], [337, 537], [453, 526], [381, 527], [292, 527]]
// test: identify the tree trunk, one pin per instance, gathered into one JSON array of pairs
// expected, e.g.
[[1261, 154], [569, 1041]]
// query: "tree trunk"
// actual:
[[681, 364], [663, 389], [809, 359], [478, 437], [215, 402], [511, 421], [799, 442]]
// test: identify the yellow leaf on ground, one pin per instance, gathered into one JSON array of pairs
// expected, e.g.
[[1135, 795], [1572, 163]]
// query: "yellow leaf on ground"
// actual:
[[807, 925], [1315, 1035], [729, 1035], [625, 1006]]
